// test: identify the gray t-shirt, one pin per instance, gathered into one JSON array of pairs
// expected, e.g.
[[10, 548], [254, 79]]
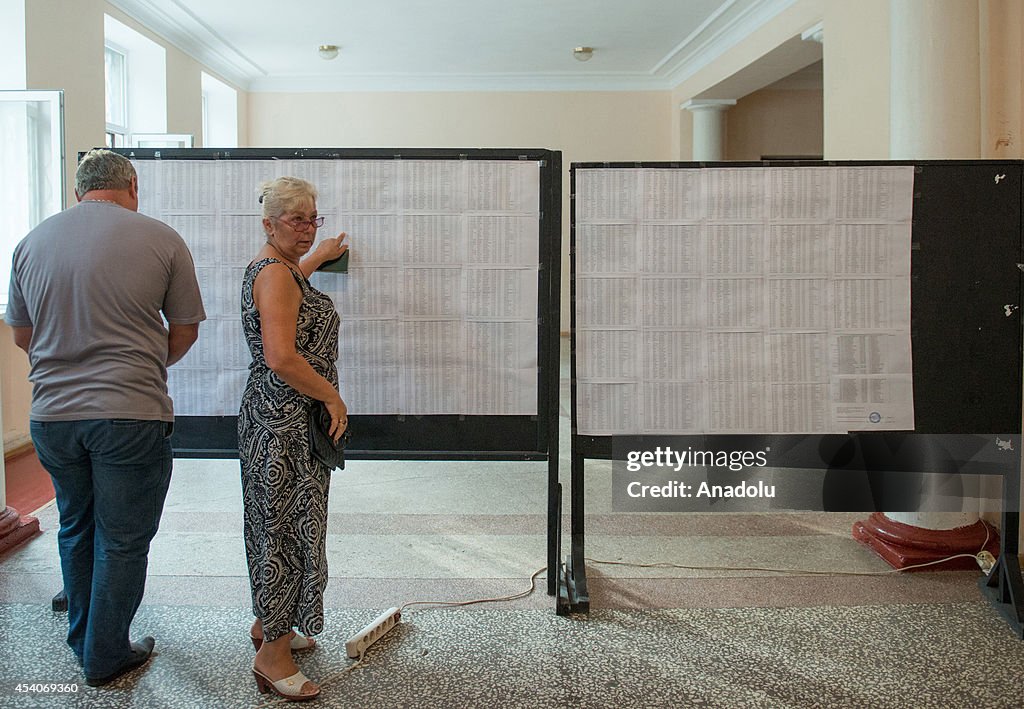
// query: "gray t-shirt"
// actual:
[[92, 282]]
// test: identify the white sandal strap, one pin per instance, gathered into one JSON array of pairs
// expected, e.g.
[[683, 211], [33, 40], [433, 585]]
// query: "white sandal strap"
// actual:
[[291, 686], [300, 642]]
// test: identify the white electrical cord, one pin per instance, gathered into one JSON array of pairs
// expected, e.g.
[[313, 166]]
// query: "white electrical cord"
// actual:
[[441, 604], [819, 572], [452, 604]]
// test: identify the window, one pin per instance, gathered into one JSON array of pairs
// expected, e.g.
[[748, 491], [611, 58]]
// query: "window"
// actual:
[[220, 114], [12, 45], [115, 75], [135, 72], [31, 168], [206, 115], [161, 140]]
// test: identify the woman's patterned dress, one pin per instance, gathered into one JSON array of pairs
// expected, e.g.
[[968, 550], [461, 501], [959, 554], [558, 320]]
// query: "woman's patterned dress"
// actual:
[[284, 492]]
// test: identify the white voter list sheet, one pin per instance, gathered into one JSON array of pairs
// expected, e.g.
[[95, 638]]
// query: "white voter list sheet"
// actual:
[[743, 300], [439, 305]]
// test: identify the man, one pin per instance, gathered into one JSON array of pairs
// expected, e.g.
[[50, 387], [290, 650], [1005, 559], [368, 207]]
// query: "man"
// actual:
[[88, 287]]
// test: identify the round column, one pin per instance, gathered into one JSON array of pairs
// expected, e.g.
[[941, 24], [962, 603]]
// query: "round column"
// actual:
[[1002, 76], [935, 113], [709, 117], [935, 80]]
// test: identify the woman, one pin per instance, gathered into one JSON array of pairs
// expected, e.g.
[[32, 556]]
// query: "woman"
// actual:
[[292, 332]]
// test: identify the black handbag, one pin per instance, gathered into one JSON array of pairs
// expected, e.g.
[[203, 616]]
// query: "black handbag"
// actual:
[[321, 445]]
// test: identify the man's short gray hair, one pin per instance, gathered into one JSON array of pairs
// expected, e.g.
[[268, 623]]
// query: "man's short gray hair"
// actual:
[[284, 194], [103, 170]]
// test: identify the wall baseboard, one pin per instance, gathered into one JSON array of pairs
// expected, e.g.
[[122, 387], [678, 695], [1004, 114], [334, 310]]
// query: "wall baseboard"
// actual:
[[17, 445], [15, 528]]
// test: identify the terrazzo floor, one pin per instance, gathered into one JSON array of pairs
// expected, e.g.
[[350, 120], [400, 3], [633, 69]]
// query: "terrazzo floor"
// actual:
[[923, 656]]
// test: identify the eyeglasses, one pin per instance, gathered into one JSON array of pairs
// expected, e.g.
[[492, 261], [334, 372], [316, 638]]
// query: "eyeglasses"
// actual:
[[303, 224]]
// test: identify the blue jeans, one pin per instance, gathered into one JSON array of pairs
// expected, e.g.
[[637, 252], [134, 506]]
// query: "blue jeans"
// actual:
[[111, 478]]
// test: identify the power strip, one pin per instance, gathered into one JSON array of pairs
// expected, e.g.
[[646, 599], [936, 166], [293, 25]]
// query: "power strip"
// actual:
[[378, 628], [986, 561]]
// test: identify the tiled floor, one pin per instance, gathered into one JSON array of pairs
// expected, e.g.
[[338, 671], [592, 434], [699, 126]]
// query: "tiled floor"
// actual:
[[948, 656]]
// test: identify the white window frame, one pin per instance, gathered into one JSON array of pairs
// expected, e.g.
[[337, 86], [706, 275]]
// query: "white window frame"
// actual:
[[206, 116], [220, 113], [161, 140], [117, 134], [36, 181]]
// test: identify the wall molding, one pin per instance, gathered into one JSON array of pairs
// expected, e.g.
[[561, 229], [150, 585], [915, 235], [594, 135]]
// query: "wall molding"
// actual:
[[729, 25]]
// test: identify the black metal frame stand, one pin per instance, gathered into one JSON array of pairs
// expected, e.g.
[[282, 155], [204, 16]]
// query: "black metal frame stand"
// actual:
[[941, 188], [1004, 586], [482, 438]]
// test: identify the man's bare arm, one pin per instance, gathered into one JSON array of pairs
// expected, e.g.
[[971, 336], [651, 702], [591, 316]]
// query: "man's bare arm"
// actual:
[[179, 339], [23, 337]]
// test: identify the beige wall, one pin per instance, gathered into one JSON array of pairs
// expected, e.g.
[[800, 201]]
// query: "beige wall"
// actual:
[[76, 67], [184, 83], [856, 81], [184, 96], [64, 50], [775, 122], [585, 126], [855, 102], [857, 70], [1002, 78], [801, 15], [17, 391]]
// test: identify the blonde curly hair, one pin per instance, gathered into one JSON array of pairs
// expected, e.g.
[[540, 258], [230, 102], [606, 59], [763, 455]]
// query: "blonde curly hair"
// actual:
[[284, 194]]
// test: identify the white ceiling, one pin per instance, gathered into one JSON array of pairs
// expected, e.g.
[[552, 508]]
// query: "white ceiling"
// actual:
[[473, 45]]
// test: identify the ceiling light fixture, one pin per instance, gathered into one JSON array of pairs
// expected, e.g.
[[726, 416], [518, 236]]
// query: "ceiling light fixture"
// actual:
[[583, 54], [327, 51]]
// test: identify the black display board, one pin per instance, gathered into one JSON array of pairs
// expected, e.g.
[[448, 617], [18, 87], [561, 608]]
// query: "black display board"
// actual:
[[966, 326], [421, 437], [428, 437]]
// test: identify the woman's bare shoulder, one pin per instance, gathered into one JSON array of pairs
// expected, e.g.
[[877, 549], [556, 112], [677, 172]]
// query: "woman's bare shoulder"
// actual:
[[278, 279]]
